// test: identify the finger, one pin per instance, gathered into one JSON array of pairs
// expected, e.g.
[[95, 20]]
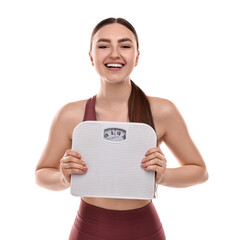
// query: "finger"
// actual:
[[73, 166], [151, 168], [154, 149], [157, 156], [154, 155], [72, 159], [157, 162], [72, 153], [71, 171]]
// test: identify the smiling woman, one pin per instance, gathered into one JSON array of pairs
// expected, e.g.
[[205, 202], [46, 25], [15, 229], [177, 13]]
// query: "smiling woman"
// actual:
[[114, 52], [114, 48]]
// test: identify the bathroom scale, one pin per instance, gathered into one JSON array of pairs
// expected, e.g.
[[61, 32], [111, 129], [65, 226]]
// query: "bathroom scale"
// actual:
[[113, 152]]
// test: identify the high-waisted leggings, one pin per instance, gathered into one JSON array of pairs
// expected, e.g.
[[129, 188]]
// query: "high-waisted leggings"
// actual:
[[96, 223]]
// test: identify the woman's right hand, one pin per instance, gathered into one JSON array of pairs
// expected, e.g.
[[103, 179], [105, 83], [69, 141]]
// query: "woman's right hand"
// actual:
[[72, 163]]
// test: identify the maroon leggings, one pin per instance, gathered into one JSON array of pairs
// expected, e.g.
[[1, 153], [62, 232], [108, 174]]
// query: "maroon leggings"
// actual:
[[96, 223]]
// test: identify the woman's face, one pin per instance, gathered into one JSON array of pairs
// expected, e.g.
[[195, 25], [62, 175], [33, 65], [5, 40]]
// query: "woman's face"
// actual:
[[114, 52]]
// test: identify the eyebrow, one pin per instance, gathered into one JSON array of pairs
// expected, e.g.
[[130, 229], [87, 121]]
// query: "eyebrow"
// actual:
[[120, 40]]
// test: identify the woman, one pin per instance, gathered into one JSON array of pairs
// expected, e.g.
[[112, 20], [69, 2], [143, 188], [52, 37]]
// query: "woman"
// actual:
[[114, 52]]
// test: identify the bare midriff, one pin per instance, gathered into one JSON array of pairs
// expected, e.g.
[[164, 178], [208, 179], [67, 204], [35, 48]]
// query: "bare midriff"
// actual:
[[116, 204]]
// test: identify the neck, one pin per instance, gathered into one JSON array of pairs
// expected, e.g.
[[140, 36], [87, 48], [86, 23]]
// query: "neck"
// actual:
[[114, 94]]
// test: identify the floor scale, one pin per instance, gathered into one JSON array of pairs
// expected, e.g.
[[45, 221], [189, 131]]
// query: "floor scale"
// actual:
[[113, 152]]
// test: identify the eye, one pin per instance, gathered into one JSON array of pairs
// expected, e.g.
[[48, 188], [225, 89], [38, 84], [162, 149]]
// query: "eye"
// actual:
[[103, 46], [126, 46]]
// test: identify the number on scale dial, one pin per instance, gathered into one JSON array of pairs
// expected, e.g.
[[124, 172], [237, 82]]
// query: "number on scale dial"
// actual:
[[114, 134]]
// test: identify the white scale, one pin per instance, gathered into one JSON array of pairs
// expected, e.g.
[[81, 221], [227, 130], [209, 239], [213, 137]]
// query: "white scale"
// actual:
[[113, 152]]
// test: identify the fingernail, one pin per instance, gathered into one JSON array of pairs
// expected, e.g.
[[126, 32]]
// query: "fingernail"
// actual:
[[85, 168], [143, 160]]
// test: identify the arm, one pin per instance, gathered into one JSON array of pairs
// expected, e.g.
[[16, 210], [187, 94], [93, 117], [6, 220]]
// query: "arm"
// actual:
[[51, 178], [184, 176], [192, 168], [48, 174], [57, 161]]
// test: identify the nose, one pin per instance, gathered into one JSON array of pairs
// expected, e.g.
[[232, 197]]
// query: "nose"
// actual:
[[115, 52]]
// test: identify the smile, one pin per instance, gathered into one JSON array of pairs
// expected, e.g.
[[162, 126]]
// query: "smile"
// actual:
[[114, 66]]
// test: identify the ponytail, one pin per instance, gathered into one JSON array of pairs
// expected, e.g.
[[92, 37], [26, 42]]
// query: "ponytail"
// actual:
[[139, 107]]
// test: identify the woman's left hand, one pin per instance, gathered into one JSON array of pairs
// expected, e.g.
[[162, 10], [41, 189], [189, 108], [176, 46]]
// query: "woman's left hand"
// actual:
[[156, 161]]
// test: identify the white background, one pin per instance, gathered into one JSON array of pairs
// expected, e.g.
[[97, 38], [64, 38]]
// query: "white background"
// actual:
[[189, 55]]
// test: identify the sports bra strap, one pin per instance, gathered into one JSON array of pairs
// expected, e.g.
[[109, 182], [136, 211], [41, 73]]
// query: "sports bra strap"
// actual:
[[90, 114]]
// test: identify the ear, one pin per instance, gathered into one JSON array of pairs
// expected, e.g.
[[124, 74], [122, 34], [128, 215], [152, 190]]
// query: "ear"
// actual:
[[91, 58], [137, 58]]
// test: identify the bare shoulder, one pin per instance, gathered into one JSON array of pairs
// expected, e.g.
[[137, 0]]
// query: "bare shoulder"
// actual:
[[162, 108], [72, 109], [163, 111], [71, 114]]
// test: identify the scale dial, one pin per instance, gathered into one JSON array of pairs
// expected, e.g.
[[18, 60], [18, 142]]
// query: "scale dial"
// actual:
[[114, 134]]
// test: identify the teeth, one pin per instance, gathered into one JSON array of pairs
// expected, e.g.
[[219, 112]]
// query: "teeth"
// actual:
[[117, 65]]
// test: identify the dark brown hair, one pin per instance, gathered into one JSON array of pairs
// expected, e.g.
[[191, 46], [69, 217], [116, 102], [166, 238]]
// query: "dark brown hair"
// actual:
[[108, 21], [138, 105]]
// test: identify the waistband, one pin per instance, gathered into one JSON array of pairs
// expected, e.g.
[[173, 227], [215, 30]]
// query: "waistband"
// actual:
[[91, 212]]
